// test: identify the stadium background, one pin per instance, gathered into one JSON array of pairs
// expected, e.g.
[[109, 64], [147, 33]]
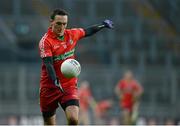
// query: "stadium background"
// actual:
[[145, 40]]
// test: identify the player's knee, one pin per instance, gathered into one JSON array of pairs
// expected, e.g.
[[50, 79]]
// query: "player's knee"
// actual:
[[49, 118], [72, 121], [49, 121]]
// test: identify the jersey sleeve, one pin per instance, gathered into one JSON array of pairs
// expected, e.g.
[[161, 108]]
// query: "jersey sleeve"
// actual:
[[45, 48], [78, 33]]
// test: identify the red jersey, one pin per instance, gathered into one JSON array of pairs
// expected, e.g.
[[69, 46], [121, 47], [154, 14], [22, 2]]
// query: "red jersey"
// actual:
[[60, 50], [128, 90]]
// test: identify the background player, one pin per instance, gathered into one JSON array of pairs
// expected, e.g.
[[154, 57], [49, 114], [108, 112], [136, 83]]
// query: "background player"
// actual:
[[86, 101], [129, 92], [57, 45], [101, 111]]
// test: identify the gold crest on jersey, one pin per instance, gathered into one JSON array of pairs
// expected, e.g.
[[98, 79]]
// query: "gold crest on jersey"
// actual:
[[71, 41]]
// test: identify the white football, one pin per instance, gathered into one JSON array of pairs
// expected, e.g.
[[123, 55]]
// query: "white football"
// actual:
[[70, 68]]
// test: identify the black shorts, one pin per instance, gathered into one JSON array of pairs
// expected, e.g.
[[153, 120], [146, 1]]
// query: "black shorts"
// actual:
[[64, 106]]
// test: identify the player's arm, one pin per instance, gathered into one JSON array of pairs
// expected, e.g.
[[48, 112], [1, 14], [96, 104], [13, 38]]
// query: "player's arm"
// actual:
[[138, 91], [118, 92], [92, 103], [95, 28], [48, 61]]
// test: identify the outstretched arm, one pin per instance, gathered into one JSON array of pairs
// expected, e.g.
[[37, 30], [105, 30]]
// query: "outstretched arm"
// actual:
[[118, 92], [95, 28], [48, 61]]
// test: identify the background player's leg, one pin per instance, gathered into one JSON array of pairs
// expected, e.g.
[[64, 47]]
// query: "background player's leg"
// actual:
[[72, 113], [50, 120], [135, 113], [84, 117], [126, 117]]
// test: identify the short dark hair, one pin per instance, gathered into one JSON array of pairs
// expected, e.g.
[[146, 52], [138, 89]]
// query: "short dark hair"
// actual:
[[58, 12]]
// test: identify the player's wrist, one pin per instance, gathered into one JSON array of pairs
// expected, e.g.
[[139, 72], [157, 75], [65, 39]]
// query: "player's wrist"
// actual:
[[56, 81], [58, 84]]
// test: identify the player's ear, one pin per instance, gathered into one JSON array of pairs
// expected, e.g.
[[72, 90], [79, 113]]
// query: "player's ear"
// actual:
[[51, 21]]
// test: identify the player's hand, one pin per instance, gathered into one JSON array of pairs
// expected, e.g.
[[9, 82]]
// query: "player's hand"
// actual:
[[108, 23], [57, 84]]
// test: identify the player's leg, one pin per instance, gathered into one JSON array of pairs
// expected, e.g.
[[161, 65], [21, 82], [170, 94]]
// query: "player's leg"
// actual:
[[70, 103], [48, 105], [71, 109], [135, 113], [84, 117], [126, 116], [72, 113], [49, 118]]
